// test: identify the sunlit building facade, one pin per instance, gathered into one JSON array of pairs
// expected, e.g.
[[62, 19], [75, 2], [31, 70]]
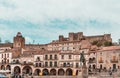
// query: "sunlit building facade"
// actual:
[[59, 57]]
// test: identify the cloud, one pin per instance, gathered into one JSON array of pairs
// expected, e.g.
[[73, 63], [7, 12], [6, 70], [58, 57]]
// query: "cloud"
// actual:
[[28, 40], [44, 20]]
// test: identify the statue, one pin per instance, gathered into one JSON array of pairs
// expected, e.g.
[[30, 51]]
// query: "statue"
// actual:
[[82, 59], [84, 67]]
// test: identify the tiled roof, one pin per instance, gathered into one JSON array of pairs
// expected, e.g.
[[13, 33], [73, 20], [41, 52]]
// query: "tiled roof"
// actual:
[[109, 48]]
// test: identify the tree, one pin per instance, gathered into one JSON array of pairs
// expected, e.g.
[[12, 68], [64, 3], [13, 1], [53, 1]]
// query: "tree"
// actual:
[[95, 42], [107, 43]]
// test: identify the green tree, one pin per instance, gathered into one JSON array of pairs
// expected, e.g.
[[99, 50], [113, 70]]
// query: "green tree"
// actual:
[[107, 43], [95, 42]]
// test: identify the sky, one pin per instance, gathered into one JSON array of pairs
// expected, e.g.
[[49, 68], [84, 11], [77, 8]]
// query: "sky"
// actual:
[[44, 20]]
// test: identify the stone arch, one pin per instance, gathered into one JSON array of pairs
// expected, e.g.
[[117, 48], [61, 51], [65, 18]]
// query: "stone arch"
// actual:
[[37, 71], [45, 72], [27, 70], [61, 72], [17, 70], [52, 72], [69, 71], [8, 67], [2, 67]]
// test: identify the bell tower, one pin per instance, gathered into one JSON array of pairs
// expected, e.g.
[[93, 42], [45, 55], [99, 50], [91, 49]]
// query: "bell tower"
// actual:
[[19, 41]]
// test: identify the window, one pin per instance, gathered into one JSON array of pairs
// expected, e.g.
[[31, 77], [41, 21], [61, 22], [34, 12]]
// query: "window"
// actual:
[[114, 58], [24, 62], [50, 57], [64, 65], [36, 64], [39, 64], [77, 65], [7, 55], [62, 48], [62, 56], [38, 59], [2, 55], [55, 57], [55, 64], [70, 56], [2, 61], [17, 61], [50, 64], [46, 64], [46, 57], [68, 64]]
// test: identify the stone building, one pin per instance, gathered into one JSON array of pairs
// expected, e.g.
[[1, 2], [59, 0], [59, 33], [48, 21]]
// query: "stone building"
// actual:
[[59, 57]]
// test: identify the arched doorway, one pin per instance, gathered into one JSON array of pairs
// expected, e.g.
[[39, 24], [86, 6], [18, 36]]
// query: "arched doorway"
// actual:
[[17, 70], [45, 72], [76, 72], [69, 72], [61, 72], [52, 72], [27, 70], [37, 71], [8, 67], [2, 67]]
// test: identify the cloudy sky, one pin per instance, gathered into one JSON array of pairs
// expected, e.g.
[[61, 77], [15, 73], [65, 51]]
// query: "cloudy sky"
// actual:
[[44, 20]]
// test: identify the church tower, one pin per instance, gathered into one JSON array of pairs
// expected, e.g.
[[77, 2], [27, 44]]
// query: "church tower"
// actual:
[[19, 41]]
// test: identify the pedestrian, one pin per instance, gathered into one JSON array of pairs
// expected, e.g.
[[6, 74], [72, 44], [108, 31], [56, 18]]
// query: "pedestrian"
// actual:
[[110, 71]]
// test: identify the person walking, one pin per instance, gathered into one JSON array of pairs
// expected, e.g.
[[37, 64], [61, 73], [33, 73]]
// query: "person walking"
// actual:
[[110, 71]]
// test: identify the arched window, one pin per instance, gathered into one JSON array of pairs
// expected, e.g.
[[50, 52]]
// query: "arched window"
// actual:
[[5, 55], [46, 64], [50, 57], [2, 55], [55, 57], [114, 58], [38, 59], [39, 64], [7, 60], [36, 64], [46, 57]]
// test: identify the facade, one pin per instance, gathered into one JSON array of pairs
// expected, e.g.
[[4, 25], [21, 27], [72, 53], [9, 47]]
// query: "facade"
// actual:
[[59, 57], [109, 57]]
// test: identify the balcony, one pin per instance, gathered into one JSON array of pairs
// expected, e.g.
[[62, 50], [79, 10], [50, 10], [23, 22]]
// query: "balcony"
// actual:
[[51, 59], [4, 63], [15, 62], [27, 63], [92, 61], [67, 65], [38, 66], [114, 61]]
